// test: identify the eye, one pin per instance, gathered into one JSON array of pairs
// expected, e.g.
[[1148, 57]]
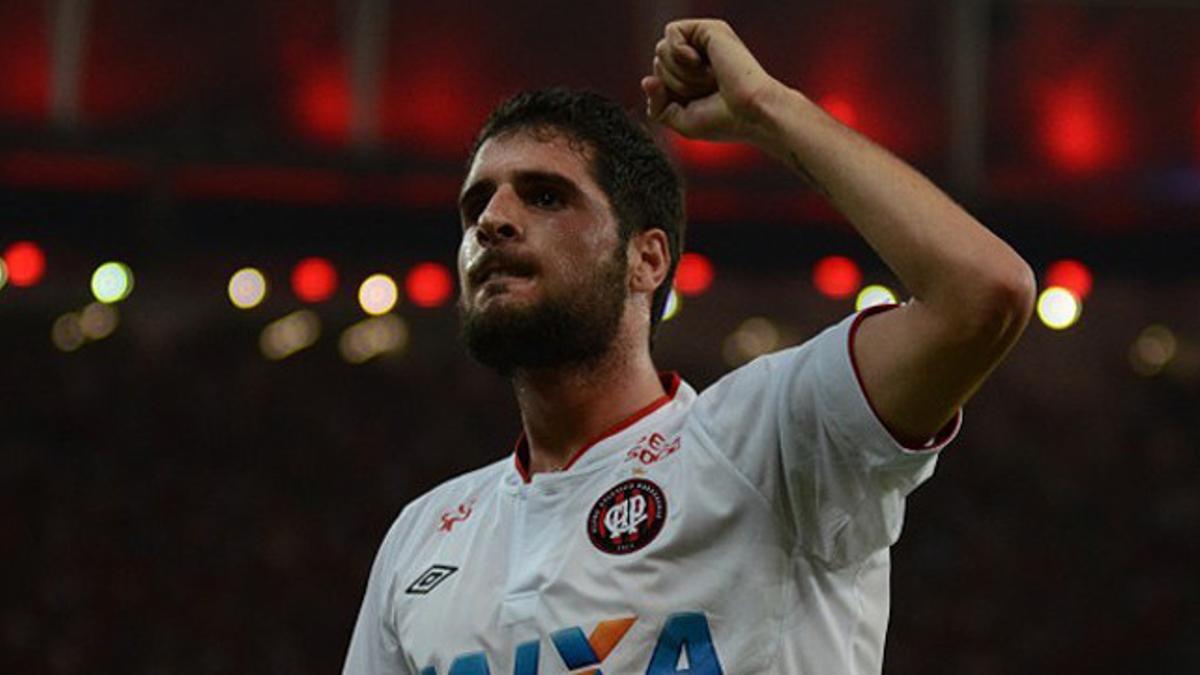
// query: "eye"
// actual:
[[470, 213], [546, 198]]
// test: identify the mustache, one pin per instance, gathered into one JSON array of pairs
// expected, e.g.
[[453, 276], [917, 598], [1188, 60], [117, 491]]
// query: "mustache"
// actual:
[[499, 260]]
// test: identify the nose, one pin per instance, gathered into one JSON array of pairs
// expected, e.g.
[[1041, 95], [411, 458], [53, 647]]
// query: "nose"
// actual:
[[497, 223]]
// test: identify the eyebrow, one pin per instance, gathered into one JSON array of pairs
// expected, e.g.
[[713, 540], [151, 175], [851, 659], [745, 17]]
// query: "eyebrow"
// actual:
[[525, 177]]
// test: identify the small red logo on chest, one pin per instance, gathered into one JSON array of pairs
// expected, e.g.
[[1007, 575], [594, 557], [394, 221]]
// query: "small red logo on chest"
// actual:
[[449, 518], [650, 449]]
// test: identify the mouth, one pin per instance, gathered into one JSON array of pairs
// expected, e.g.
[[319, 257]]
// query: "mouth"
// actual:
[[500, 284], [503, 278], [496, 271]]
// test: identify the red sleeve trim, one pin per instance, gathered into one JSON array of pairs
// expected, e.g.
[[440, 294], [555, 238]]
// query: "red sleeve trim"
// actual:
[[941, 436], [670, 382]]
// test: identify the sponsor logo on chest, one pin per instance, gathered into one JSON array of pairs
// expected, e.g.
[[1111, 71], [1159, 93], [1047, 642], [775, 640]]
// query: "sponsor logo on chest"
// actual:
[[684, 645]]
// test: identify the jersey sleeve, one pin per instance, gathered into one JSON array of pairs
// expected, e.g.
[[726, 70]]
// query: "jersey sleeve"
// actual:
[[798, 426], [374, 646]]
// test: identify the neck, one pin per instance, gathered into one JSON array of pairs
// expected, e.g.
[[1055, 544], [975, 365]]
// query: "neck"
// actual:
[[564, 408]]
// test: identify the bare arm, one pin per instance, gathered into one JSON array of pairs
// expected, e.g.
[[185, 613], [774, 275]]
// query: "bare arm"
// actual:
[[972, 294]]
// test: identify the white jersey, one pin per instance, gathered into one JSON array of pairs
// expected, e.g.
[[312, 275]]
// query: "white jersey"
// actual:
[[742, 530]]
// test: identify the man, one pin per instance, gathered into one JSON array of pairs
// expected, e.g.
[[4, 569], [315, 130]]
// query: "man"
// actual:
[[640, 527]]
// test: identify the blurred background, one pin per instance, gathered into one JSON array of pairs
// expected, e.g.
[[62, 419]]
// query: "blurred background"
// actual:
[[228, 350]]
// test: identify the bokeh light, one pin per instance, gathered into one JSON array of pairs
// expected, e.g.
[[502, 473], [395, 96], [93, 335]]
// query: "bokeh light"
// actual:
[[373, 337], [314, 280], [67, 334], [378, 294], [836, 276], [26, 263], [429, 284], [1071, 275], [290, 334], [694, 274], [872, 295], [98, 320], [1153, 349], [112, 282], [753, 338], [672, 306], [247, 288], [1058, 308]]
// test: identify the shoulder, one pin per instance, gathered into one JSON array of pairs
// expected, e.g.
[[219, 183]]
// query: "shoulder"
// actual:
[[423, 513], [464, 485], [769, 371]]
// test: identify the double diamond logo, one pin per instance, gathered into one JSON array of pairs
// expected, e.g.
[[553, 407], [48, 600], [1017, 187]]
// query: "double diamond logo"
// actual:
[[430, 578]]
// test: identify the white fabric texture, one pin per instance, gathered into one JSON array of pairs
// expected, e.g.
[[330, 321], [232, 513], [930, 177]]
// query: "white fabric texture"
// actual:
[[782, 493]]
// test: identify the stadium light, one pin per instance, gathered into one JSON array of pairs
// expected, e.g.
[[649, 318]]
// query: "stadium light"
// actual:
[[836, 276], [378, 294], [314, 280], [1058, 308], [25, 262], [1071, 275], [112, 282], [429, 284], [874, 294], [694, 275], [247, 288]]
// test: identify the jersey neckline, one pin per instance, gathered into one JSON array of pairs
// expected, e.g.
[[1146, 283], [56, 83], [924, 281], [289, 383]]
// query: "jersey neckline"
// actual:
[[670, 381]]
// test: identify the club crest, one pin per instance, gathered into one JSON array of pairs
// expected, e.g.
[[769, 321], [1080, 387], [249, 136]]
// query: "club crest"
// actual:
[[627, 517]]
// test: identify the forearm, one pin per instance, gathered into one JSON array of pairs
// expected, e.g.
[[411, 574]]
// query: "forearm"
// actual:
[[945, 258], [972, 294]]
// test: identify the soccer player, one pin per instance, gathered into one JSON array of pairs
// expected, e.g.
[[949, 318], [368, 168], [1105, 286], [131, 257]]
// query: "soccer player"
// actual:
[[640, 527]]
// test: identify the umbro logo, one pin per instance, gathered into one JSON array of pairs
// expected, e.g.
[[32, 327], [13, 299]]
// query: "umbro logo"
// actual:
[[430, 578]]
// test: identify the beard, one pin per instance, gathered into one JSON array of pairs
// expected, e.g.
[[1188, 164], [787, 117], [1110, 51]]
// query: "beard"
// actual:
[[572, 327]]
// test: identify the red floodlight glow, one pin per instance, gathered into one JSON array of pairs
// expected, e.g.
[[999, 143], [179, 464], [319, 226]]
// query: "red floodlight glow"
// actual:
[[323, 100], [836, 276], [840, 108], [1077, 131], [711, 154], [429, 284], [442, 120], [440, 114], [314, 280], [25, 62], [1197, 119], [1071, 275], [26, 263], [694, 274]]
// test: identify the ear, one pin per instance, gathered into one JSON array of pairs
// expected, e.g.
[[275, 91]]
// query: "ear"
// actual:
[[649, 260]]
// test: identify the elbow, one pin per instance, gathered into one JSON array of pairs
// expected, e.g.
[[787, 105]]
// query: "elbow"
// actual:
[[1006, 303], [992, 310], [1020, 293]]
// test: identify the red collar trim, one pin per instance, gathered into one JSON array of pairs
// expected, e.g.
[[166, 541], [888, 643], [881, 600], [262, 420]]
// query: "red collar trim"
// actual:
[[670, 382]]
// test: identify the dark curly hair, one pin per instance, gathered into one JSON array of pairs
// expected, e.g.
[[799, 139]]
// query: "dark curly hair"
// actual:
[[641, 183]]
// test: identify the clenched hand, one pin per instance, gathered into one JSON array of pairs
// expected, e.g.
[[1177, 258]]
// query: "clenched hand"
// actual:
[[706, 84]]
